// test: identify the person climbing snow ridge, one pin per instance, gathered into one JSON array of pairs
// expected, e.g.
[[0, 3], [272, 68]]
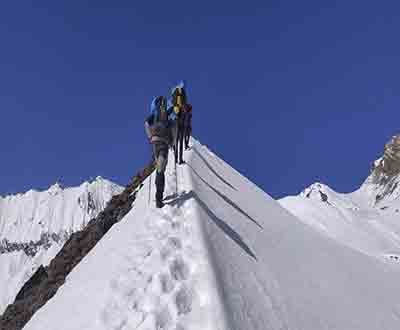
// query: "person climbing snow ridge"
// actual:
[[178, 105], [158, 130], [187, 124]]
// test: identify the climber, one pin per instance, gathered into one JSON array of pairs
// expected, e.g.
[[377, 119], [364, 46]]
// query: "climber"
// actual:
[[178, 101], [158, 130], [187, 124]]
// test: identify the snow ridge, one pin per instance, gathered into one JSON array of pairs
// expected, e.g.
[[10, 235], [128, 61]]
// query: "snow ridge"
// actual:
[[35, 225], [221, 255], [25, 217]]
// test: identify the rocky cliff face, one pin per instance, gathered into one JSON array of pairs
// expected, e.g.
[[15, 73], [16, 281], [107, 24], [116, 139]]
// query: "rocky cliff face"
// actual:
[[384, 180], [389, 165]]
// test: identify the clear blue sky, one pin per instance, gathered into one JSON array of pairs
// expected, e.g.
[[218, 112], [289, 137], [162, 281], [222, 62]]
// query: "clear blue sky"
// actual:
[[287, 92]]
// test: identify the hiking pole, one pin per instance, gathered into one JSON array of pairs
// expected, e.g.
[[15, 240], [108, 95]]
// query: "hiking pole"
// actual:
[[176, 158], [150, 188], [151, 174], [176, 180]]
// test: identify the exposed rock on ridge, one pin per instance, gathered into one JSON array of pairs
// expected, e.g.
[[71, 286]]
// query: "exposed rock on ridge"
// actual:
[[389, 164], [32, 248], [386, 170]]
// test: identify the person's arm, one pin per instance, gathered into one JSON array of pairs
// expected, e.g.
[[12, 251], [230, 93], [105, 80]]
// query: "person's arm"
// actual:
[[169, 110], [147, 126]]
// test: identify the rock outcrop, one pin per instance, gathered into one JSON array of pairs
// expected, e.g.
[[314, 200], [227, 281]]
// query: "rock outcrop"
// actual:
[[389, 165], [386, 170], [32, 248]]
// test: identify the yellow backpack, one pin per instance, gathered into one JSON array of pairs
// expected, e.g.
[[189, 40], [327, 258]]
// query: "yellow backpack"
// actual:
[[178, 99]]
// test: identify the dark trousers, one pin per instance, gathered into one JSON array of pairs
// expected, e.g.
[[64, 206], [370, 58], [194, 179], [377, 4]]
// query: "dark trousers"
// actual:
[[188, 134], [161, 158], [179, 144]]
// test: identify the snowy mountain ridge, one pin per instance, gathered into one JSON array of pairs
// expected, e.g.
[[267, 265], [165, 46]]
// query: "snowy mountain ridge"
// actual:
[[224, 255], [26, 216], [367, 219], [35, 225], [380, 189]]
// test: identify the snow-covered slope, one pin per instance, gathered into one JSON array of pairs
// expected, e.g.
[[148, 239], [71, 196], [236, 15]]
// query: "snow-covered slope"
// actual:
[[26, 217], [35, 225], [368, 219], [221, 255], [349, 219]]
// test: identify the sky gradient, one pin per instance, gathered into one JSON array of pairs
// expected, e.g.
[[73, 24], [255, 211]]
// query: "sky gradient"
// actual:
[[287, 92]]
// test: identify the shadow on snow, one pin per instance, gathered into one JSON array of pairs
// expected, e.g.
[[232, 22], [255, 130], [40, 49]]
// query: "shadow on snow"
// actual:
[[198, 154], [225, 198], [228, 230]]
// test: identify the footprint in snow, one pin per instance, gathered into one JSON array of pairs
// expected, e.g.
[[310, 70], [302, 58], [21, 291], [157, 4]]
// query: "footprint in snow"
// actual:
[[179, 270], [175, 243], [163, 318], [165, 252], [172, 244], [179, 327], [166, 282], [184, 300]]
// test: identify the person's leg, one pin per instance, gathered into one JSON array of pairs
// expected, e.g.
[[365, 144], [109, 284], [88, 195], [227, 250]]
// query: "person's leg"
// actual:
[[160, 185], [187, 137], [176, 142], [162, 159], [180, 142]]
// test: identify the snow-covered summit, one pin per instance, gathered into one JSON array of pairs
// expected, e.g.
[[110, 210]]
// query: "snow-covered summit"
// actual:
[[316, 191]]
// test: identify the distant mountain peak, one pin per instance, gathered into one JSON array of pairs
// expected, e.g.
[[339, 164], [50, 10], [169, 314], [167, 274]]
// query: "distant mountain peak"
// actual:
[[316, 191], [385, 175], [55, 188]]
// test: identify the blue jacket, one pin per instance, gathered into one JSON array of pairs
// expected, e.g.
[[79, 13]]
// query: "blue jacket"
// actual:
[[155, 111]]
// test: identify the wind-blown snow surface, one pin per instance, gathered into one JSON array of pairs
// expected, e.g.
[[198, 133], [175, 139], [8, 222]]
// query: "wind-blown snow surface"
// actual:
[[221, 255], [35, 225]]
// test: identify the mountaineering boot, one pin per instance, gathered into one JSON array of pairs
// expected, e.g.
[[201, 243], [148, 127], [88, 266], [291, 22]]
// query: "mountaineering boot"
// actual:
[[176, 154], [159, 203], [159, 198], [160, 184]]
